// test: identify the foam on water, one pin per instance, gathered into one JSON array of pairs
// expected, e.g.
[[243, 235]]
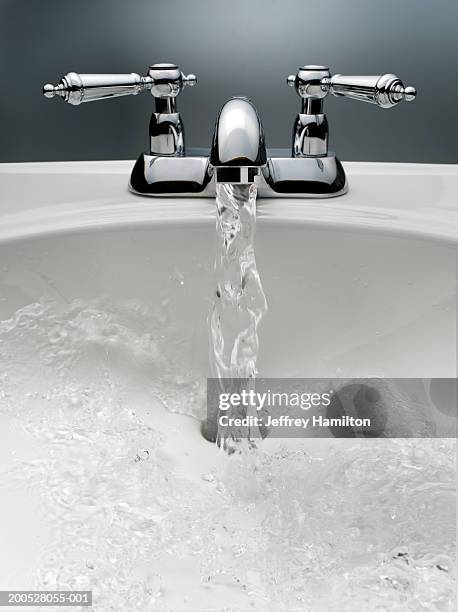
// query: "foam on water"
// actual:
[[365, 525]]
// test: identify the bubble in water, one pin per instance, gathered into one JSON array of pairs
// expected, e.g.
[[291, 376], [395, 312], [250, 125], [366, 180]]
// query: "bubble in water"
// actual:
[[142, 455], [366, 525]]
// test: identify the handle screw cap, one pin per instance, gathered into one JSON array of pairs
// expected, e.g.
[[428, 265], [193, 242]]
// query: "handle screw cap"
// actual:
[[191, 80], [49, 90], [410, 93]]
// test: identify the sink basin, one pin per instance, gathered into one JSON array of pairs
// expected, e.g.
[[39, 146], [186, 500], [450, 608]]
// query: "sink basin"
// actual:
[[106, 483]]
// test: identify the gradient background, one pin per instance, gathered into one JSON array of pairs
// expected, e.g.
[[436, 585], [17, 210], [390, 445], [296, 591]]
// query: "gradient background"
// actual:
[[236, 47]]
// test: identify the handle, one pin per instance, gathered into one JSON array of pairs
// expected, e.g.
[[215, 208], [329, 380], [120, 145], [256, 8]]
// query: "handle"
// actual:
[[313, 83], [385, 90], [78, 88], [165, 81]]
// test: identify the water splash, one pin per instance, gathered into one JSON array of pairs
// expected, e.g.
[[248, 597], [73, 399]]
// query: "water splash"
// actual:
[[366, 526], [239, 302]]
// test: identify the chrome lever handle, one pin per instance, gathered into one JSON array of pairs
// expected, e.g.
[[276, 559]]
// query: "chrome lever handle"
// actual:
[[78, 88], [385, 90], [313, 83], [165, 81]]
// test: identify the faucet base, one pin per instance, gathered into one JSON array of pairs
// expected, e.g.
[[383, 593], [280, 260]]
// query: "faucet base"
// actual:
[[306, 177], [164, 175], [282, 177]]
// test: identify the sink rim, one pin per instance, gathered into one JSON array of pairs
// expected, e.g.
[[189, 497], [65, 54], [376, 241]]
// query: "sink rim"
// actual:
[[79, 198]]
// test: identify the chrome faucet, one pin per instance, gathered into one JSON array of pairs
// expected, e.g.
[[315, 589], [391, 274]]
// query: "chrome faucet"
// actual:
[[164, 81], [238, 153], [314, 83]]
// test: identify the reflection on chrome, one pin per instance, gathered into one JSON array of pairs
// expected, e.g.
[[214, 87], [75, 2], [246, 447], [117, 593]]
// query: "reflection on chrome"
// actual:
[[308, 169]]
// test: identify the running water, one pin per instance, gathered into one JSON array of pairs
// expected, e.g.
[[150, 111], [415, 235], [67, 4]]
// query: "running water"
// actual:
[[103, 489], [239, 302], [106, 485]]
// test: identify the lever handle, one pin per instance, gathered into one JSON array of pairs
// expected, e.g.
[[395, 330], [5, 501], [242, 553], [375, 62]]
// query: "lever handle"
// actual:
[[313, 83], [165, 81], [384, 90], [78, 88]]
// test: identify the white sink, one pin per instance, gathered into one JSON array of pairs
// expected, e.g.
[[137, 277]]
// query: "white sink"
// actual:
[[104, 299]]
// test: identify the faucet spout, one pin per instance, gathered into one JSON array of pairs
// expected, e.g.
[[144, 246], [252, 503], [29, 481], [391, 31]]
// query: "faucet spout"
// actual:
[[238, 149]]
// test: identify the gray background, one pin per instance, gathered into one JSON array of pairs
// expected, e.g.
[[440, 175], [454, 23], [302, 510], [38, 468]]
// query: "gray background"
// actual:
[[236, 47]]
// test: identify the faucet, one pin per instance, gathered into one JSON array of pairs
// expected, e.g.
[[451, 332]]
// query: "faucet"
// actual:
[[238, 153]]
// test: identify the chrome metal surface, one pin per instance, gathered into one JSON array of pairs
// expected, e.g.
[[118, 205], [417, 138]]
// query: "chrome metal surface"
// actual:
[[308, 83], [166, 127], [238, 153], [238, 148], [164, 81], [157, 175], [310, 135], [166, 131], [167, 82], [282, 176], [313, 83], [384, 90], [311, 176], [78, 88]]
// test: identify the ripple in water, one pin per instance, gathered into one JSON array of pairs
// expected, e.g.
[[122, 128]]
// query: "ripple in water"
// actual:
[[369, 525]]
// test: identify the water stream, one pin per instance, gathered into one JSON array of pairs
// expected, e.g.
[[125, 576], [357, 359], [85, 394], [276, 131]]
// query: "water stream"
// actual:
[[239, 301]]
